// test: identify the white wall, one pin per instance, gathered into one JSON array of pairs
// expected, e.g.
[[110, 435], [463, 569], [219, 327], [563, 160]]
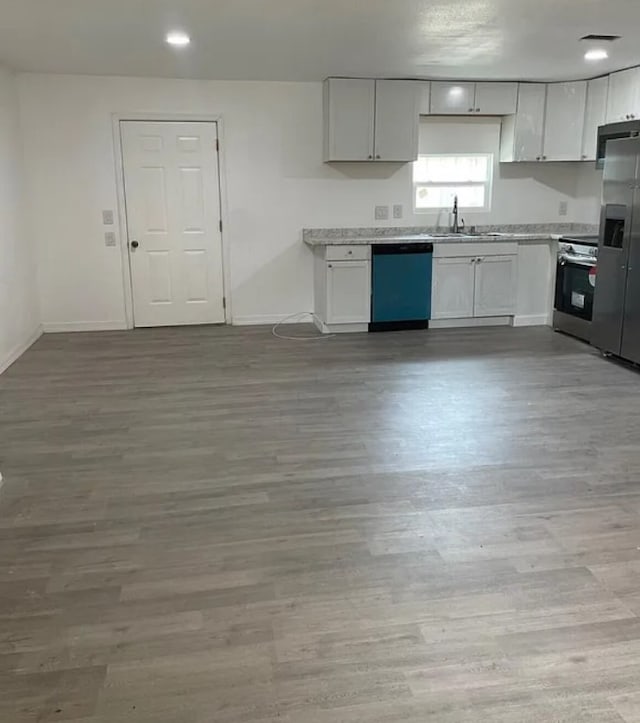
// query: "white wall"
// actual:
[[588, 194], [522, 192], [19, 315], [275, 179]]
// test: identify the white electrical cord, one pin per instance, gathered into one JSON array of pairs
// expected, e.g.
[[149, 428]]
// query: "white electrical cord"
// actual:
[[300, 314]]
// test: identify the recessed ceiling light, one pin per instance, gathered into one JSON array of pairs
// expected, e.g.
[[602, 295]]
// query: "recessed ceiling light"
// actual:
[[178, 39], [596, 54]]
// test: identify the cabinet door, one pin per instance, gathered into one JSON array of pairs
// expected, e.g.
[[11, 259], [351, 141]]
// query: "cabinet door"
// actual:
[[453, 98], [349, 111], [453, 288], [348, 292], [496, 98], [529, 122], [595, 116], [495, 287], [397, 120], [424, 96], [624, 96], [564, 121]]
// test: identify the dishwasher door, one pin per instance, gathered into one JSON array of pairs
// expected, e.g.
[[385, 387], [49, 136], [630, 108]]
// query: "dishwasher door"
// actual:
[[401, 286]]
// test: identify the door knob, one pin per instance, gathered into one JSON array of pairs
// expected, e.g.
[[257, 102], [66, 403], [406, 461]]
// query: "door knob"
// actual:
[[134, 244]]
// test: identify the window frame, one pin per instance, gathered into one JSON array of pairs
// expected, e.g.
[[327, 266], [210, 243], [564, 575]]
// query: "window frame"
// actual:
[[486, 184]]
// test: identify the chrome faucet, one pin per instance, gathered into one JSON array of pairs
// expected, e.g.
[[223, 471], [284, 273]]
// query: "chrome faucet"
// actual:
[[457, 225]]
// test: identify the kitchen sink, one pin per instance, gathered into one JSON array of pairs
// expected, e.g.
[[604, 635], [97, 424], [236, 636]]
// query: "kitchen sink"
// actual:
[[460, 234]]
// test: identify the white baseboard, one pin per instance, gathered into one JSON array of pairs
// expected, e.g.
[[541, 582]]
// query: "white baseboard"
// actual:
[[532, 320], [18, 351], [270, 319], [469, 323], [51, 327]]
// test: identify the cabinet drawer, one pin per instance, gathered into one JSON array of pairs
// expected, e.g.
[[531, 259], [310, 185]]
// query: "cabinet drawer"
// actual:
[[348, 253], [485, 248]]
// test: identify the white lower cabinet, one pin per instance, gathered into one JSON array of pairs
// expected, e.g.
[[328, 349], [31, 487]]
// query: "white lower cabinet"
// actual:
[[342, 288], [453, 285], [348, 292], [474, 282], [495, 287]]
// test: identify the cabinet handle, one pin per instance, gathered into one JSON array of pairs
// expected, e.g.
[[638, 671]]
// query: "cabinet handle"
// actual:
[[470, 110], [370, 158], [477, 110], [330, 266], [544, 158], [378, 156], [480, 261], [537, 158], [584, 156]]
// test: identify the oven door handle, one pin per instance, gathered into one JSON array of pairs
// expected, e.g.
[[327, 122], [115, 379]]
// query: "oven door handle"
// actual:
[[564, 259]]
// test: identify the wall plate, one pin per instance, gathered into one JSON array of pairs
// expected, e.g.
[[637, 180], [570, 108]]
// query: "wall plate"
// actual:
[[382, 213]]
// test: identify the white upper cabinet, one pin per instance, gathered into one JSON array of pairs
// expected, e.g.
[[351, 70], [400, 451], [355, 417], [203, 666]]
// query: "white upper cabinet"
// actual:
[[496, 98], [369, 120], [564, 121], [624, 96], [424, 96], [349, 110], [476, 98], [595, 116], [523, 132], [453, 98], [396, 120]]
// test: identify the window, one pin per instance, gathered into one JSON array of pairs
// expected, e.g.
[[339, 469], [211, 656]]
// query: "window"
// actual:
[[438, 178]]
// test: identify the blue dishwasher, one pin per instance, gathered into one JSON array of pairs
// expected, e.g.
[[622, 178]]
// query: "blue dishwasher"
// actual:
[[401, 286]]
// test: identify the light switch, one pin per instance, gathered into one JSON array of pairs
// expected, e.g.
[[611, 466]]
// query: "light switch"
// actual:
[[564, 207], [382, 213], [397, 210], [107, 218], [109, 238]]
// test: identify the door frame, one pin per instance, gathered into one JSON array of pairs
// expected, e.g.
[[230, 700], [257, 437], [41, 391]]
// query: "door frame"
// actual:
[[127, 280]]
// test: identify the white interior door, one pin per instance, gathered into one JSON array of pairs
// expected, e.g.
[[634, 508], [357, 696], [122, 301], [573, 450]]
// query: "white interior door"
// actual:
[[173, 218]]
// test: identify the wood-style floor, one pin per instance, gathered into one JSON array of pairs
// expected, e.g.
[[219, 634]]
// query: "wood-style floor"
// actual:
[[212, 525]]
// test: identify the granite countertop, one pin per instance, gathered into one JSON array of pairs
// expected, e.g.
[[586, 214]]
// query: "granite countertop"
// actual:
[[386, 235], [427, 238]]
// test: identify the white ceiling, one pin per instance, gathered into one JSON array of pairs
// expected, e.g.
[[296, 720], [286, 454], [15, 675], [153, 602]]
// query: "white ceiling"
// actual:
[[312, 39]]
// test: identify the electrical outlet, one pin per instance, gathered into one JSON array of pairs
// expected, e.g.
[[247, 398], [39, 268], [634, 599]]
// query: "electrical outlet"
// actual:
[[397, 210], [109, 238], [382, 213], [564, 208], [107, 218]]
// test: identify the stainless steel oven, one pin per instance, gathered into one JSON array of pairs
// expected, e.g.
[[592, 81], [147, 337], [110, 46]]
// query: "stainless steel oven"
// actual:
[[575, 285]]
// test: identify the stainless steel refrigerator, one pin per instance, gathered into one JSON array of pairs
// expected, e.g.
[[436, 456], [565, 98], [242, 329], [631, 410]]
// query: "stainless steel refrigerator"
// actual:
[[616, 304]]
